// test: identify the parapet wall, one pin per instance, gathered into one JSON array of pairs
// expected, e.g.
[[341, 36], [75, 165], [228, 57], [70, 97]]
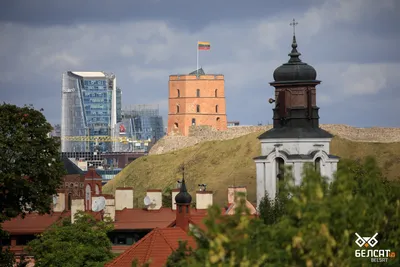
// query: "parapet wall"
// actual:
[[200, 134]]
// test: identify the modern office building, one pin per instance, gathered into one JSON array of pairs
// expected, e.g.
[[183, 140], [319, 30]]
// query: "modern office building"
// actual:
[[141, 126], [91, 107]]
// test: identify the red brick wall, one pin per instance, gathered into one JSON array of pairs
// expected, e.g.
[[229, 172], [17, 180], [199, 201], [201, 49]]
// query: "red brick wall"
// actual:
[[187, 101]]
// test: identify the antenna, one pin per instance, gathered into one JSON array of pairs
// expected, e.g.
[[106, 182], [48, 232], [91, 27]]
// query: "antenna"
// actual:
[[147, 201], [98, 204], [55, 199], [203, 187]]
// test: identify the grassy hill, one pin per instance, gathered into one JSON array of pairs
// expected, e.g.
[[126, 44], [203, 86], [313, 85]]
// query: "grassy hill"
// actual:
[[220, 164]]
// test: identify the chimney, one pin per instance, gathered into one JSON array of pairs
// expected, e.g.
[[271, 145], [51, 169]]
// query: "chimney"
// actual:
[[77, 204], [204, 198], [123, 198], [233, 192], [156, 199], [174, 192], [60, 204]]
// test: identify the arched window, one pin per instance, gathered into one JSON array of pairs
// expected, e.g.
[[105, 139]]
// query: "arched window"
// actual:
[[69, 201], [198, 92], [317, 165], [193, 121], [179, 92], [176, 125], [218, 119], [177, 108], [198, 108], [280, 168], [216, 92], [216, 109], [97, 189]]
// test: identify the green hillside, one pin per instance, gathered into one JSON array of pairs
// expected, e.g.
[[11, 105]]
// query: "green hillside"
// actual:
[[220, 164]]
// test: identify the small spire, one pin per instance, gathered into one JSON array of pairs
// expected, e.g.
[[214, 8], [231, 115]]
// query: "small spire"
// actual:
[[294, 54], [183, 184]]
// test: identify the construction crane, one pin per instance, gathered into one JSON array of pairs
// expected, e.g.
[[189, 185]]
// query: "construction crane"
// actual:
[[102, 138]]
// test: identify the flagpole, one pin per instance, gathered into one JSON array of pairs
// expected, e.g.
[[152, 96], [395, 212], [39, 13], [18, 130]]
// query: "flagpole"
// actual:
[[197, 61]]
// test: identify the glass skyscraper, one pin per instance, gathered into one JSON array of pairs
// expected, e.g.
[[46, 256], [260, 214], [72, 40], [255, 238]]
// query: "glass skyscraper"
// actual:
[[142, 125], [91, 108]]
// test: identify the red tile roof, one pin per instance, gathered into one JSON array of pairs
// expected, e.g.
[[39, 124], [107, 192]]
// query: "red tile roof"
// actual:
[[33, 223], [147, 219], [155, 247]]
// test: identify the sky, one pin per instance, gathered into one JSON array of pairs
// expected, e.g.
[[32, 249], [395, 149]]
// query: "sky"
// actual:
[[353, 45]]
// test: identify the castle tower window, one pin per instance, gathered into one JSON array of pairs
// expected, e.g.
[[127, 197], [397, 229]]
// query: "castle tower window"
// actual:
[[198, 108], [193, 121], [216, 92], [177, 108], [198, 92], [179, 92], [216, 109]]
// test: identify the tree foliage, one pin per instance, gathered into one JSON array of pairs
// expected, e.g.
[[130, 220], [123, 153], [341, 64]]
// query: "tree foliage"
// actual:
[[82, 243], [30, 167], [315, 226]]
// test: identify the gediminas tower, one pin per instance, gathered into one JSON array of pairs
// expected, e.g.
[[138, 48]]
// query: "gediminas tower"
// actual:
[[196, 99]]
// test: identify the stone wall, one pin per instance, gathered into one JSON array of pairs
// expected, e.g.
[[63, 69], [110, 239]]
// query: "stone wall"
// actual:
[[205, 133]]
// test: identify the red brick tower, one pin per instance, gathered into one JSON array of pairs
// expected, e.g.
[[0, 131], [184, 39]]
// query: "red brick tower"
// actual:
[[196, 100]]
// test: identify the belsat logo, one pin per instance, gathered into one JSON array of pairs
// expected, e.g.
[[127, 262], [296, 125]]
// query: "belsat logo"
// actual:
[[376, 255], [366, 241]]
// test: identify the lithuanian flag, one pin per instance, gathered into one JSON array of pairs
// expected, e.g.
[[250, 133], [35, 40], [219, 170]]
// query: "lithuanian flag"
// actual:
[[204, 45]]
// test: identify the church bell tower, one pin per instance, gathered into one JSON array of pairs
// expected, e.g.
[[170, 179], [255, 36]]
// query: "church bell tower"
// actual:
[[295, 138]]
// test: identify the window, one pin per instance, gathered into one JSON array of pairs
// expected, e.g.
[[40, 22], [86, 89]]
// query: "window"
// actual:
[[280, 168], [198, 92], [198, 108], [218, 119], [176, 125], [69, 201], [193, 121], [177, 108], [179, 92], [216, 92], [317, 165], [216, 109], [24, 239]]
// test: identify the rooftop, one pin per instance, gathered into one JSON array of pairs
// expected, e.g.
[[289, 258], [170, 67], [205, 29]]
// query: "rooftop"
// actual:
[[155, 247], [89, 74]]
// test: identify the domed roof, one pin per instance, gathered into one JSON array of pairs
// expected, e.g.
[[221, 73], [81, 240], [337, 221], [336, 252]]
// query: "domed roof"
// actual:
[[183, 197], [295, 70]]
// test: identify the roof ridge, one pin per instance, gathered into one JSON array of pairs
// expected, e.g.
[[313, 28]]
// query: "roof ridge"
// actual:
[[156, 230], [116, 260], [166, 239]]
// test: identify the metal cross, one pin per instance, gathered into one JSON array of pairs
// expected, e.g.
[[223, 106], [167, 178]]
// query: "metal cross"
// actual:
[[294, 23]]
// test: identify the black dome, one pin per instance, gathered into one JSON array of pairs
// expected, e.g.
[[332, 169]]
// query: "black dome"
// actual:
[[295, 69], [183, 197]]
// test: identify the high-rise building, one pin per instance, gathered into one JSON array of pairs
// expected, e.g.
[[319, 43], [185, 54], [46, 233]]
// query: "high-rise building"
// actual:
[[142, 125], [195, 99], [91, 106]]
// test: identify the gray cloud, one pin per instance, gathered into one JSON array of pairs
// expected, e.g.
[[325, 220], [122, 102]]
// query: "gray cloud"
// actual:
[[358, 65]]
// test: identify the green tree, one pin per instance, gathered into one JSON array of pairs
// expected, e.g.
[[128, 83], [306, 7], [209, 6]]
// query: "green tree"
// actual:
[[82, 243], [30, 166], [315, 226]]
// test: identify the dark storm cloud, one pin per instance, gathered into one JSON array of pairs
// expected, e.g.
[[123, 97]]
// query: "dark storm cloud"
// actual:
[[351, 43], [195, 14]]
